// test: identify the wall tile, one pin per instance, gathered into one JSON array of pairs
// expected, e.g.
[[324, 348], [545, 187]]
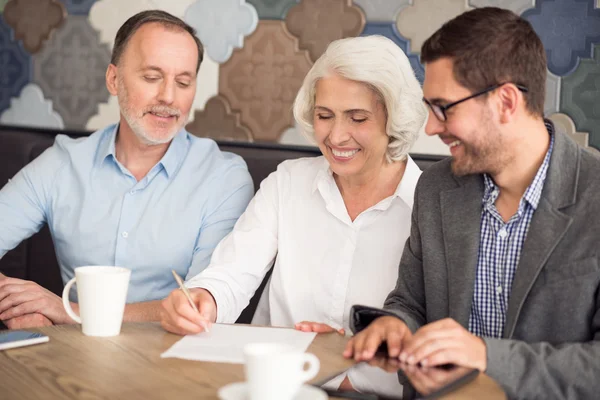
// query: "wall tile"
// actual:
[[262, 79], [207, 85], [382, 10], [15, 66], [429, 144], [552, 100], [222, 25], [564, 122], [568, 29], [252, 87], [78, 7], [294, 136], [580, 97], [108, 114], [218, 121], [420, 20], [272, 9], [517, 6], [31, 109], [175, 7], [33, 28], [71, 71], [390, 31], [317, 23], [107, 16]]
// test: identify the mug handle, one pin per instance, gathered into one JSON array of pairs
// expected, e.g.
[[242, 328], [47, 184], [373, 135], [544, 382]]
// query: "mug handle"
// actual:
[[67, 304], [313, 366]]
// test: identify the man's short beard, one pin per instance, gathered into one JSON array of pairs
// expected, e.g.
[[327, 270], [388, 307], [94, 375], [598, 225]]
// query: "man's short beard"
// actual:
[[140, 132], [490, 158], [135, 123]]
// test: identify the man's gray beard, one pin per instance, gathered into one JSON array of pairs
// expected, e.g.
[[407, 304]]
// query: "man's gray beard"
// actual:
[[140, 132], [136, 125]]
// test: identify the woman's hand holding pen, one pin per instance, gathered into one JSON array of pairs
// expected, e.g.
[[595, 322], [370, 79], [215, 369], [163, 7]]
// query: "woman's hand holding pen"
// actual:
[[178, 316]]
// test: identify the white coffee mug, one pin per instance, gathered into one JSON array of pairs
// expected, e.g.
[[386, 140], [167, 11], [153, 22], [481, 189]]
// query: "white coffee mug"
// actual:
[[276, 371], [102, 293]]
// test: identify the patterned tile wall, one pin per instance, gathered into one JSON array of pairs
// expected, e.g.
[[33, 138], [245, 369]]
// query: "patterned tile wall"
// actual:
[[54, 53]]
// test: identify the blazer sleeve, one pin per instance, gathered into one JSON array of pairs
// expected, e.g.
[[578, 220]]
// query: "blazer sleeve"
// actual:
[[547, 371]]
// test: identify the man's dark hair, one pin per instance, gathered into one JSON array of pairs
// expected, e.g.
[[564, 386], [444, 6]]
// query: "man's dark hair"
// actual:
[[489, 46], [165, 19]]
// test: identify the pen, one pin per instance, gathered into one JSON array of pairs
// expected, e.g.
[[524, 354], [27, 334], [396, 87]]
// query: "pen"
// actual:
[[189, 297]]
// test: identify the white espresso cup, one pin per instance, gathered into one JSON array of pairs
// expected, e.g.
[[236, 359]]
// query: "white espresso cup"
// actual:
[[102, 293], [276, 371]]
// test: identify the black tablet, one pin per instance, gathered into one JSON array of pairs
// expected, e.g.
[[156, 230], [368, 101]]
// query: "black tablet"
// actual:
[[423, 382]]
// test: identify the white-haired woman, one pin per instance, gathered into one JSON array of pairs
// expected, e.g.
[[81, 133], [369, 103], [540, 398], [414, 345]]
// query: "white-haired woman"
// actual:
[[335, 225]]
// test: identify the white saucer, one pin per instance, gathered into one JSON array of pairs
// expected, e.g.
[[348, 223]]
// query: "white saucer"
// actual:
[[237, 391]]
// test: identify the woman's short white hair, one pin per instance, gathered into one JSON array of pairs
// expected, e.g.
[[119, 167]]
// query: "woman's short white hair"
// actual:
[[380, 64]]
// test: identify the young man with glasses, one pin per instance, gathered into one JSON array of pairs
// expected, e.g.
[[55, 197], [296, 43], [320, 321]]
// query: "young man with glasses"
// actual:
[[500, 272]]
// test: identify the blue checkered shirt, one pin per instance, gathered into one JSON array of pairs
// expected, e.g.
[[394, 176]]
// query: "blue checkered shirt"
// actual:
[[500, 246]]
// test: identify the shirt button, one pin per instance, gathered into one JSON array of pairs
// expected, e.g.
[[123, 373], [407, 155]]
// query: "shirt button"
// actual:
[[499, 289], [502, 233], [132, 192], [124, 234]]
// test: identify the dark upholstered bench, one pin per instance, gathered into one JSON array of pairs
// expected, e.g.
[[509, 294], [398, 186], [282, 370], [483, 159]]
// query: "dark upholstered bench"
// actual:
[[35, 260]]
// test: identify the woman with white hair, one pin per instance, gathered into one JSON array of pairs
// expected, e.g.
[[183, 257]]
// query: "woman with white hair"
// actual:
[[335, 226]]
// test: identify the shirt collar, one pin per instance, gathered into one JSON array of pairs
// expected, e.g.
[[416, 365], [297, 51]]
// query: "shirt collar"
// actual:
[[534, 191], [106, 147], [170, 161], [408, 183], [405, 189], [175, 155], [324, 175]]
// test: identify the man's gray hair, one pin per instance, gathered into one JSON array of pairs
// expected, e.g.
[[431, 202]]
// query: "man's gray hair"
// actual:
[[380, 64], [163, 18]]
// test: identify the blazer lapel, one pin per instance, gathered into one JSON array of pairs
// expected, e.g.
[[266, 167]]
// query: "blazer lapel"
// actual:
[[547, 228], [548, 224], [461, 224]]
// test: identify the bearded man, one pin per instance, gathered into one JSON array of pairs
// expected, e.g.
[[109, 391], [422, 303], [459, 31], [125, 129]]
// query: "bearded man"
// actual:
[[142, 194]]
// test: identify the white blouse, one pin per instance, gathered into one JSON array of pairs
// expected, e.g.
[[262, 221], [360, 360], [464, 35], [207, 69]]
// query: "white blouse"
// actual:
[[324, 262]]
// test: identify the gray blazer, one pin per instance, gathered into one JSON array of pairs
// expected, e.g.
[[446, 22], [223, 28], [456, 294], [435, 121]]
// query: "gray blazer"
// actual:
[[551, 343]]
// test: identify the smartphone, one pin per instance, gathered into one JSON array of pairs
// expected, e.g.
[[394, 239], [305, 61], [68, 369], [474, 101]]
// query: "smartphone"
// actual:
[[12, 339]]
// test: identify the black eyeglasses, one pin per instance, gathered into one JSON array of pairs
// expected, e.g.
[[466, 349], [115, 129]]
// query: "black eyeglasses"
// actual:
[[440, 111]]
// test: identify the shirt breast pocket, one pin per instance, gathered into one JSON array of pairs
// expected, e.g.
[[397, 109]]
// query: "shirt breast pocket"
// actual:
[[577, 269]]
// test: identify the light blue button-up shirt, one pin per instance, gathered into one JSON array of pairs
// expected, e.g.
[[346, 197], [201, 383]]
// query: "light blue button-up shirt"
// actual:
[[99, 214]]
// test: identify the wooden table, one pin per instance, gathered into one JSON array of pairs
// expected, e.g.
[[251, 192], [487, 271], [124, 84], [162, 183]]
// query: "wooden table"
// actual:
[[128, 366]]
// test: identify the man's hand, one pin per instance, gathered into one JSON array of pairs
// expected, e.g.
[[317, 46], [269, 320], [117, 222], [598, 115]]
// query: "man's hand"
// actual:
[[309, 326], [178, 316], [27, 321], [445, 342], [19, 298], [391, 330]]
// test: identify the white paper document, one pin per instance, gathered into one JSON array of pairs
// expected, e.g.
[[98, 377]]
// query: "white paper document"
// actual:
[[225, 343]]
